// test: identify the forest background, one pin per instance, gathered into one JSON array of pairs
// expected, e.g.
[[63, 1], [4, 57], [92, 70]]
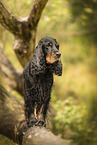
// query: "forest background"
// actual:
[[73, 111]]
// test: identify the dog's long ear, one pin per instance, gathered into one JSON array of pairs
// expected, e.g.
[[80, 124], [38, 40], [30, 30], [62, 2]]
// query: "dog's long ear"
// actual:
[[58, 69], [38, 64]]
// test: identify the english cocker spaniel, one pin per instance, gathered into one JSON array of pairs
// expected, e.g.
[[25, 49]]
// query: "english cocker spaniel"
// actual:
[[38, 80]]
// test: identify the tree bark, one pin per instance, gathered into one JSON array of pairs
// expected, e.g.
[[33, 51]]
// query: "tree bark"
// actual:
[[41, 136], [13, 124], [11, 113], [13, 78], [8, 19]]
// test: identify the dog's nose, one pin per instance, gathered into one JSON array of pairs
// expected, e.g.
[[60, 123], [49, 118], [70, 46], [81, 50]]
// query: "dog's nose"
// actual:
[[58, 54]]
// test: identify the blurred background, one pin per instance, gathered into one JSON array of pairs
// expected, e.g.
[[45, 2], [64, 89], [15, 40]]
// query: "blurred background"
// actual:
[[73, 111]]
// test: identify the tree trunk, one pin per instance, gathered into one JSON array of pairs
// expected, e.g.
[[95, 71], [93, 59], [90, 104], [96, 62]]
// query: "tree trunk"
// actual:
[[41, 136], [23, 29]]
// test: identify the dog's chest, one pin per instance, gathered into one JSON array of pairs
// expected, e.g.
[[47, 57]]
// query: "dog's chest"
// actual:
[[46, 79]]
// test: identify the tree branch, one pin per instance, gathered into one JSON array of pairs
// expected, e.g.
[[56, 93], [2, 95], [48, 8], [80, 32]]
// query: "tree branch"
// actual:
[[18, 27], [13, 126], [36, 12], [41, 136], [8, 19], [12, 77], [25, 45]]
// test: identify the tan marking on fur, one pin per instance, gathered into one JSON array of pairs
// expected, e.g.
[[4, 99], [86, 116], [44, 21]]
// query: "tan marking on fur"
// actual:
[[39, 114], [51, 58], [35, 111]]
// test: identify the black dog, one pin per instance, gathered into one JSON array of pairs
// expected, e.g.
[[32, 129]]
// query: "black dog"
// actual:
[[38, 80]]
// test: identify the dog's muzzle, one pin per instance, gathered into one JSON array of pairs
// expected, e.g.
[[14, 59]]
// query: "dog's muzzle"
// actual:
[[53, 57]]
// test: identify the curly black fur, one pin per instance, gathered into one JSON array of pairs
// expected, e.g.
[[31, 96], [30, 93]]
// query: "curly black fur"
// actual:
[[38, 79]]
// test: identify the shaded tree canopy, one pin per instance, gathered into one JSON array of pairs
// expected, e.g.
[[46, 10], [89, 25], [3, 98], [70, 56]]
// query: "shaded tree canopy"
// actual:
[[84, 13]]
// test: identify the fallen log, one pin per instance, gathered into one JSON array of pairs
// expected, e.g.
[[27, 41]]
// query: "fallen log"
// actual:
[[13, 124]]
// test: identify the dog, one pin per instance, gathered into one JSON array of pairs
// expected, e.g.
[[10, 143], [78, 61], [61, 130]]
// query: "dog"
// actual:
[[38, 80]]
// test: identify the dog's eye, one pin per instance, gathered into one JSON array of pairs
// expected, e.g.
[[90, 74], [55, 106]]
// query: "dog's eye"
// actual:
[[50, 44], [57, 45]]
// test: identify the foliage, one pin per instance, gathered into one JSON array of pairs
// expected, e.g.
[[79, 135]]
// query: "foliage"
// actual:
[[16, 6], [70, 114], [78, 117], [84, 13], [5, 141]]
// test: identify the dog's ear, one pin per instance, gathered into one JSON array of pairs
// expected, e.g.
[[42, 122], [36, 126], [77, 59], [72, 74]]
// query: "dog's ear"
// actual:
[[58, 69], [38, 64]]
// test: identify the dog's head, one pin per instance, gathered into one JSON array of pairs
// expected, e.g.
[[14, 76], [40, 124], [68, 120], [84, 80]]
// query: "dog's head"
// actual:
[[51, 50], [47, 55]]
